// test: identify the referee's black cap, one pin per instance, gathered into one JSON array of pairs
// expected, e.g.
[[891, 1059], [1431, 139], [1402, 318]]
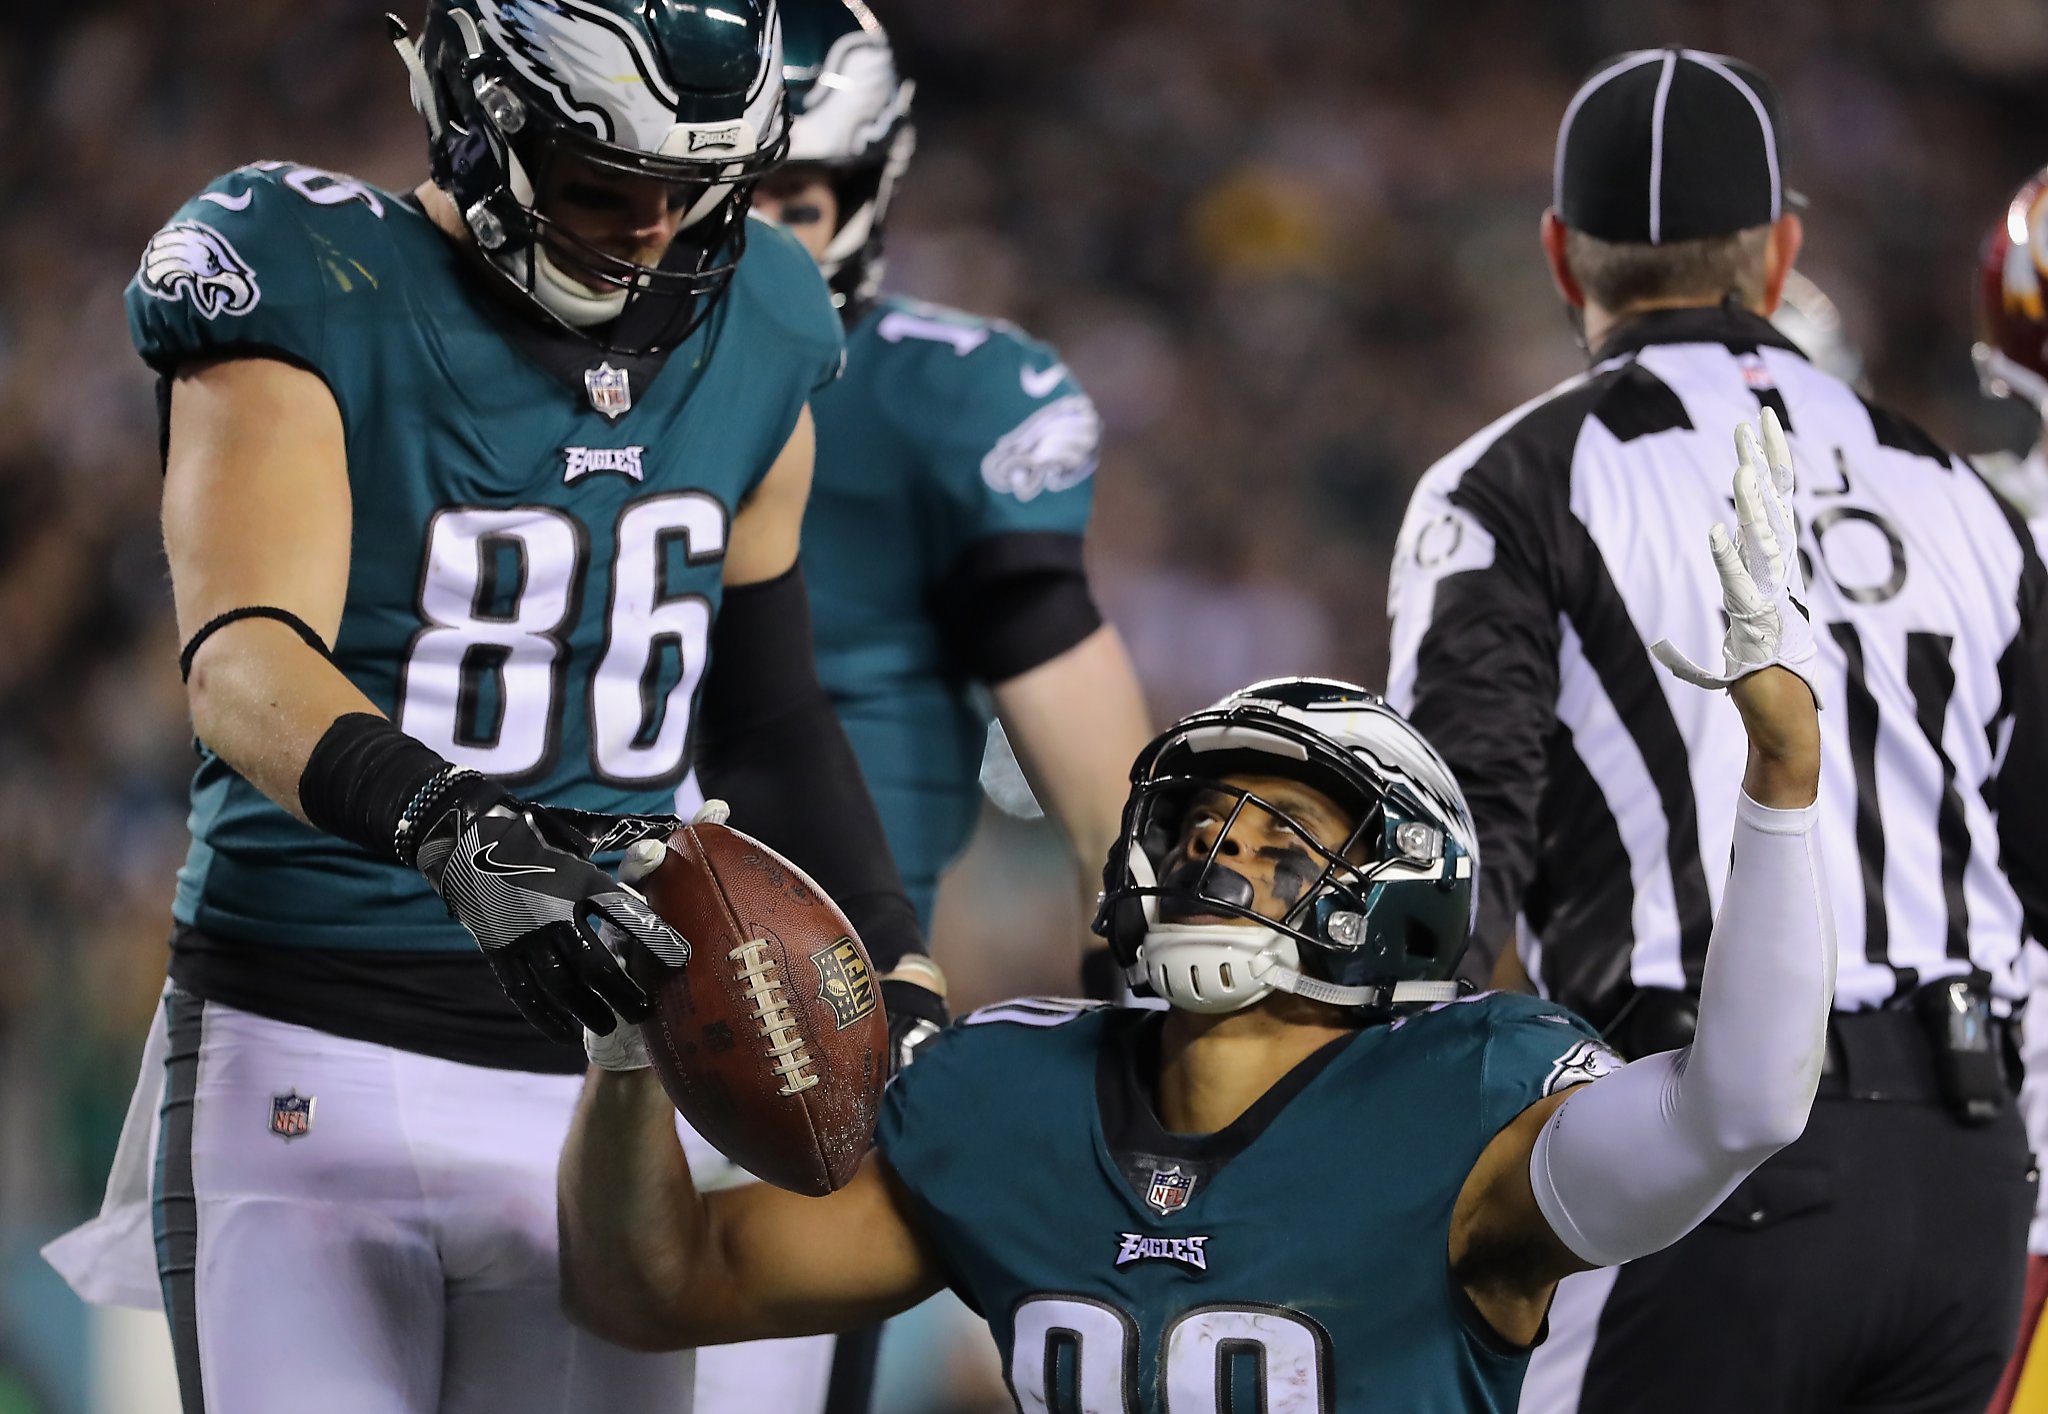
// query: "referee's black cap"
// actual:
[[1673, 144]]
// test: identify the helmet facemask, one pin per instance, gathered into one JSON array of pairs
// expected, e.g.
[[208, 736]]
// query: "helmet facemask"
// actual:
[[1191, 891], [1377, 916]]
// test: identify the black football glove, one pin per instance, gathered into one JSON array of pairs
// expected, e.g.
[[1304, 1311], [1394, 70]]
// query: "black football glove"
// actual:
[[518, 876], [916, 1011]]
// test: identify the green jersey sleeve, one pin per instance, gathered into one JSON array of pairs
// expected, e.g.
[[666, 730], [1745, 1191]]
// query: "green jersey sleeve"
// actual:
[[1534, 1048], [234, 271], [1007, 439]]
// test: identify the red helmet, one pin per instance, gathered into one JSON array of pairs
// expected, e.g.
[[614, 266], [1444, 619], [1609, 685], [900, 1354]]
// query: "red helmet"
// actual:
[[2011, 351]]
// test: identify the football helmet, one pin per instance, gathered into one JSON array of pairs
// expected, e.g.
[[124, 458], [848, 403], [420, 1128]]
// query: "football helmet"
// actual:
[[683, 94], [850, 114], [1381, 924], [2011, 351]]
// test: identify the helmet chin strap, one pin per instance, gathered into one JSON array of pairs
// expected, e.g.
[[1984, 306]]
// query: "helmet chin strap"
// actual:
[[566, 297], [1215, 968], [557, 291]]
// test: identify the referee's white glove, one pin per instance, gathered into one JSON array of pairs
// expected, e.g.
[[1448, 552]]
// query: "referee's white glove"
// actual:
[[1762, 585], [624, 1049]]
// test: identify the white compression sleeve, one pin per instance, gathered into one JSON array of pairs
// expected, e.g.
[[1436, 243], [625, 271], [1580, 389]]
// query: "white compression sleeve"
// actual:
[[1632, 1162]]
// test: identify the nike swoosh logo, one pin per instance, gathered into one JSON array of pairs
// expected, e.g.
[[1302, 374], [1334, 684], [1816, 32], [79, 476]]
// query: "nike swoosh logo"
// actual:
[[1040, 382], [482, 861], [232, 203]]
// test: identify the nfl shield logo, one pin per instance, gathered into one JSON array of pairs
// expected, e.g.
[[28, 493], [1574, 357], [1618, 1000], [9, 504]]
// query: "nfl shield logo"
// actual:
[[291, 1115], [844, 982], [611, 392], [1170, 1189]]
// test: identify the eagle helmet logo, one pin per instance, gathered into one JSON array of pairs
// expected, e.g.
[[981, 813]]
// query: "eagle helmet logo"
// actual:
[[190, 260]]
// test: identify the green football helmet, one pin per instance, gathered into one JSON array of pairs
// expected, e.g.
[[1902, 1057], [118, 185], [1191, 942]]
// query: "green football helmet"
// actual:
[[850, 114], [683, 94], [1381, 924]]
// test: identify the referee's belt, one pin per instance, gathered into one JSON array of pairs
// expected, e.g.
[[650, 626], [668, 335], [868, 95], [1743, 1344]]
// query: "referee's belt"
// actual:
[[1884, 1054]]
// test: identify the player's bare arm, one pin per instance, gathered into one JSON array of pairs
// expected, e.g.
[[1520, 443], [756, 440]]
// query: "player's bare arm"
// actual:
[[1075, 722], [651, 1264], [1619, 1168], [768, 529], [256, 512]]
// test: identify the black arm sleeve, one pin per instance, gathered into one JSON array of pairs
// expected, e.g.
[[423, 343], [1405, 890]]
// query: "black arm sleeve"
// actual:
[[1014, 602], [771, 747]]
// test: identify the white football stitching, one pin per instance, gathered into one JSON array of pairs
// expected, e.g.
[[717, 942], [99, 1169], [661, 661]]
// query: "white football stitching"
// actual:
[[771, 1012]]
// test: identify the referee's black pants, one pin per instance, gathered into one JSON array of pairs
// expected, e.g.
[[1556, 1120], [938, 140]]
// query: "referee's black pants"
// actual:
[[1875, 1265]]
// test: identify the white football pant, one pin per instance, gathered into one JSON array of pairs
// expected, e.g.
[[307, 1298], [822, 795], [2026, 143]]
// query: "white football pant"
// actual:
[[397, 1257]]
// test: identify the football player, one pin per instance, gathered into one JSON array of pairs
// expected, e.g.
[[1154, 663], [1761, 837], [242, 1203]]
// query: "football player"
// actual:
[[943, 551], [943, 545], [2011, 354], [464, 488], [1295, 1189]]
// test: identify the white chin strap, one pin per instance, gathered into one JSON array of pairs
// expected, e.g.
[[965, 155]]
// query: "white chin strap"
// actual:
[[568, 298], [1223, 967]]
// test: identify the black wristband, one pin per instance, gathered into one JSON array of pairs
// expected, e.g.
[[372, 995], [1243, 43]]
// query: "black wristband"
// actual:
[[903, 999], [362, 776]]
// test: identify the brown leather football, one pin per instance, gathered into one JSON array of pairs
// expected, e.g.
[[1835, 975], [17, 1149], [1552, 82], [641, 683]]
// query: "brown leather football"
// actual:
[[772, 1041]]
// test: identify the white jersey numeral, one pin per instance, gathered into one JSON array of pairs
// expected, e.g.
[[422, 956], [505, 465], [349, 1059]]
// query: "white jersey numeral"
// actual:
[[1073, 1353], [484, 681], [481, 680], [637, 738], [1199, 1347], [1095, 1343]]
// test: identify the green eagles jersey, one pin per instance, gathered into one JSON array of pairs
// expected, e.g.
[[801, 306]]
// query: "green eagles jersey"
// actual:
[[1294, 1263], [946, 433], [534, 564]]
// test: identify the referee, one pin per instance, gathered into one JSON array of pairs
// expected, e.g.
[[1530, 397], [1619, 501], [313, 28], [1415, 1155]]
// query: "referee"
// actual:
[[1877, 1263]]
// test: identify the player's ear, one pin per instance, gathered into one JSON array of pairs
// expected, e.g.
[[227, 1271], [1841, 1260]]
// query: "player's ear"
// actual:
[[1788, 234], [1553, 236]]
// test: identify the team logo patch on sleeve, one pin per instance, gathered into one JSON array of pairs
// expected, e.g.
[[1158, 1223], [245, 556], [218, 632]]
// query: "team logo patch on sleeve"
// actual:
[[1586, 1060], [189, 260], [844, 982], [1051, 450]]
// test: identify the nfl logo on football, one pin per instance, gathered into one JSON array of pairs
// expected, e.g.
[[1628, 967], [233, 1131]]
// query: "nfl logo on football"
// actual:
[[1170, 1189]]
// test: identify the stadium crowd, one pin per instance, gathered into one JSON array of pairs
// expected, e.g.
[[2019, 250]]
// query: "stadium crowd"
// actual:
[[1289, 248]]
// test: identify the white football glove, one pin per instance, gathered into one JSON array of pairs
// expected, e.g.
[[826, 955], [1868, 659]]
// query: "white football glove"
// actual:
[[624, 1049], [1762, 585]]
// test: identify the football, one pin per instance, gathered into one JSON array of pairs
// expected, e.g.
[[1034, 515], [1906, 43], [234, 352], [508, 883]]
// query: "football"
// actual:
[[772, 1041]]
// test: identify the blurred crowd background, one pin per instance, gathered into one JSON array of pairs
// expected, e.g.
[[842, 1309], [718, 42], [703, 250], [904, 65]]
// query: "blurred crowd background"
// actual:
[[1289, 245]]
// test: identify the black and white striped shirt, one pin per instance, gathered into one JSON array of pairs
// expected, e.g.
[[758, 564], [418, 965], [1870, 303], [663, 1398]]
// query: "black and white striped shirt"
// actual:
[[1539, 560]]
